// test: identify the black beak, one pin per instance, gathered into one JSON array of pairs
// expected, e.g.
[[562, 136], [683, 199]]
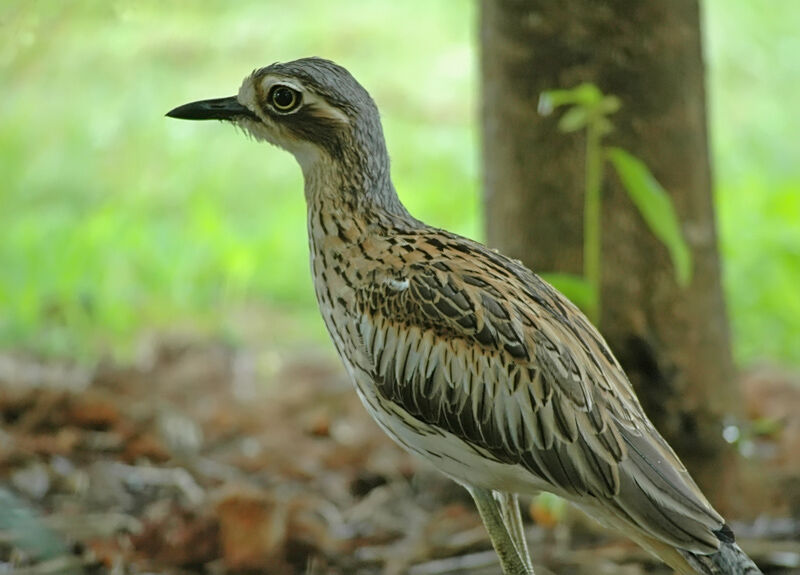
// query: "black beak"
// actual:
[[216, 109]]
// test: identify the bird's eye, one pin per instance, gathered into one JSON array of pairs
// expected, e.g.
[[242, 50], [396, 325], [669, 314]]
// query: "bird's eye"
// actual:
[[284, 99]]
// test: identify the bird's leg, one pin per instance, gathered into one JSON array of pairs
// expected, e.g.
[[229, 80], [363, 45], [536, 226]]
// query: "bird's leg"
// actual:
[[502, 541], [509, 508]]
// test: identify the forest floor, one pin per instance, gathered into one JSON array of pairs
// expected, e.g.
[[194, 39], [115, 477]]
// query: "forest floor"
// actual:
[[187, 460]]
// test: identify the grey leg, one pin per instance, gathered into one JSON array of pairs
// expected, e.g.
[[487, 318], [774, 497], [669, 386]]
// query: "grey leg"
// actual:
[[501, 539], [509, 508]]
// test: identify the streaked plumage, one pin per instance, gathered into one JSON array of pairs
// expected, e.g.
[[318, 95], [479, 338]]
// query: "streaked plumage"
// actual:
[[461, 354]]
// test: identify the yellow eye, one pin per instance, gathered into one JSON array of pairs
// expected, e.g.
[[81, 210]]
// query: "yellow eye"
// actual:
[[284, 99]]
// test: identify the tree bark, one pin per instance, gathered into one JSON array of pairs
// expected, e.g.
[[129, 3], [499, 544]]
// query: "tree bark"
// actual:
[[672, 342]]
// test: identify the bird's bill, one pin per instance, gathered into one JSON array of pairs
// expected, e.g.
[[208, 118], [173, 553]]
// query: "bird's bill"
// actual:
[[216, 109]]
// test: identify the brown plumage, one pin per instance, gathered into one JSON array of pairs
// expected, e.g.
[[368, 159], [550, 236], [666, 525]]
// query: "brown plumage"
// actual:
[[461, 354]]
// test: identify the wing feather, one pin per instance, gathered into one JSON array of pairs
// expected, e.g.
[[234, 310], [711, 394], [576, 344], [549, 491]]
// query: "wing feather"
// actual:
[[513, 368]]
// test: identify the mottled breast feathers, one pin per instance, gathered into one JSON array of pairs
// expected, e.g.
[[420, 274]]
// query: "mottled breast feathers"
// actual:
[[473, 343]]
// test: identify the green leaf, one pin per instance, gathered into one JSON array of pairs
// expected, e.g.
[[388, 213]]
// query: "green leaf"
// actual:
[[577, 289], [586, 95], [656, 208], [573, 119], [552, 99], [609, 105]]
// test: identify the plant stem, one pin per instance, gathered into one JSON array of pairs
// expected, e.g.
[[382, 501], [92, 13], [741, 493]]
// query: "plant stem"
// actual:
[[591, 218]]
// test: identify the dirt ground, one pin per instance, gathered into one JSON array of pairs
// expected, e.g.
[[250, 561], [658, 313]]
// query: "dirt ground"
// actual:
[[200, 458]]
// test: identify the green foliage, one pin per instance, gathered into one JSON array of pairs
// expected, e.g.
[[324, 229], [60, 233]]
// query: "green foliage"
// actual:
[[753, 89], [589, 109], [114, 219], [656, 208]]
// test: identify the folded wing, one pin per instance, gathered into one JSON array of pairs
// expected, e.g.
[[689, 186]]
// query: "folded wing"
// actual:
[[486, 350]]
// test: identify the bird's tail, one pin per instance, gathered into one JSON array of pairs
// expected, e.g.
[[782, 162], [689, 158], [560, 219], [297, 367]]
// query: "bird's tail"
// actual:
[[728, 560]]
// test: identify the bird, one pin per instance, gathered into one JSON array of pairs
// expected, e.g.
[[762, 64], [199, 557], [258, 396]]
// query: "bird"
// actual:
[[462, 355]]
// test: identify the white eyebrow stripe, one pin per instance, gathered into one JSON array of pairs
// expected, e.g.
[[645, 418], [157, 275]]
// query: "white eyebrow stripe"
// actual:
[[323, 109]]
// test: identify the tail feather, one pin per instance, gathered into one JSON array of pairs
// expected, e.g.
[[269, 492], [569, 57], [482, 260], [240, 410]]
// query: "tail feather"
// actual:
[[729, 560]]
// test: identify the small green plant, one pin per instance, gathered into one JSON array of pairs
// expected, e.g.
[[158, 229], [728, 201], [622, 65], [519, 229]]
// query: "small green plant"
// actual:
[[589, 109]]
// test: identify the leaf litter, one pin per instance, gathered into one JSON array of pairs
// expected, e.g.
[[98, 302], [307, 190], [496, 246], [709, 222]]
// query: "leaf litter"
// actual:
[[192, 459]]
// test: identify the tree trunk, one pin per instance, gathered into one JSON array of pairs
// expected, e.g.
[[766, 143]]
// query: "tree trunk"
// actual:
[[672, 342]]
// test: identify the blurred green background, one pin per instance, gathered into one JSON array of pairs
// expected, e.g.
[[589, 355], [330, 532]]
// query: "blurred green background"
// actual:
[[115, 221]]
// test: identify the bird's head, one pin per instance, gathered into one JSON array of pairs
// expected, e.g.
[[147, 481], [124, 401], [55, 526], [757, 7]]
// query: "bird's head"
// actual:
[[311, 107]]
